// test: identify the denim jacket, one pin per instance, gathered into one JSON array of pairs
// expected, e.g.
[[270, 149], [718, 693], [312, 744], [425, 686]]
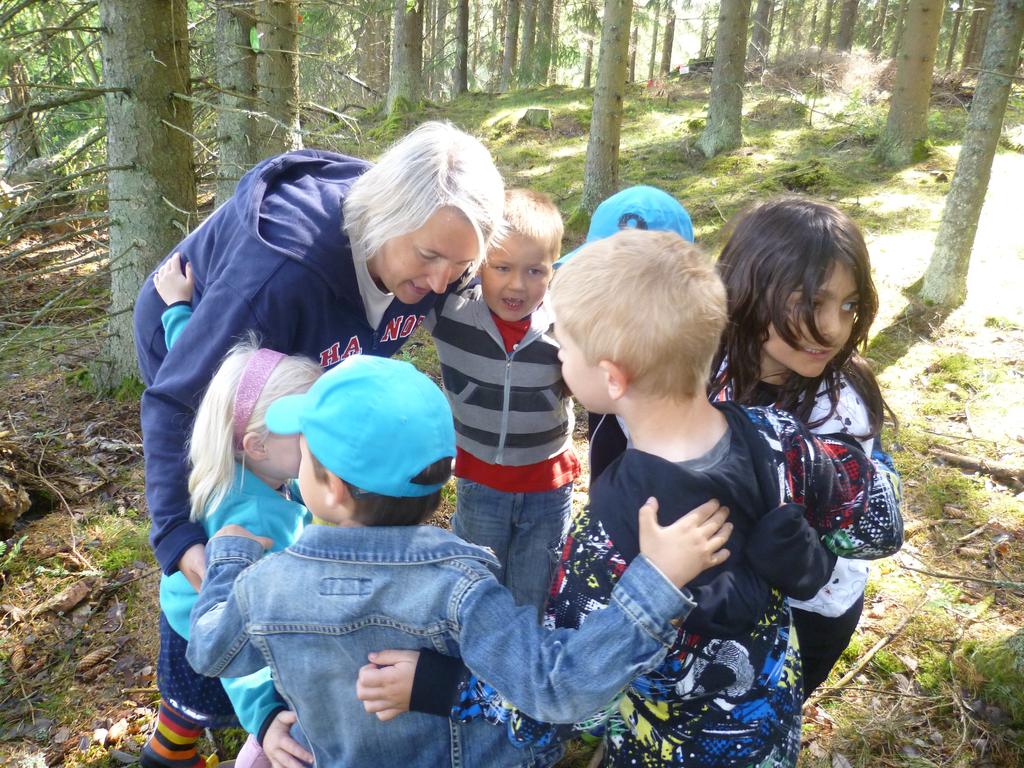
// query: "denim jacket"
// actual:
[[313, 611]]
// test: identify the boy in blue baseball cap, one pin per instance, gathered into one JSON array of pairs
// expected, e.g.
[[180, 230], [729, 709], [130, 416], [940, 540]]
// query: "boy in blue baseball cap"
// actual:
[[377, 440], [639, 207]]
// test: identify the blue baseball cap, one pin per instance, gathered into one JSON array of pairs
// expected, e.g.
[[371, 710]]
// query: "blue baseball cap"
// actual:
[[374, 422], [639, 207]]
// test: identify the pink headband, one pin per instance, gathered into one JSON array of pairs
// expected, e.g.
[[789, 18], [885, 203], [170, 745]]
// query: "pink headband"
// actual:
[[254, 378]]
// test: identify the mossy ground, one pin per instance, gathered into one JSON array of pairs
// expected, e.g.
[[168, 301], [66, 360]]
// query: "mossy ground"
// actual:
[[945, 690]]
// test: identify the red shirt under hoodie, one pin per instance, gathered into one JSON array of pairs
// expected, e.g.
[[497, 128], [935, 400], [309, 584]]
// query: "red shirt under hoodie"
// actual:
[[530, 478]]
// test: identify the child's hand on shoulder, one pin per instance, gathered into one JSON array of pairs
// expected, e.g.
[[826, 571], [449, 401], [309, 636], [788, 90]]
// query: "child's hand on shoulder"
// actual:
[[237, 530], [690, 545], [171, 283]]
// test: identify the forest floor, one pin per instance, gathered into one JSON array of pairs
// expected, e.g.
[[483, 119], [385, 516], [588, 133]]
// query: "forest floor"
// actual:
[[935, 674]]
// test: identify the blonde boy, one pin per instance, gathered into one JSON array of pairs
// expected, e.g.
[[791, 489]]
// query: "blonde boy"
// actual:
[[513, 418], [639, 316]]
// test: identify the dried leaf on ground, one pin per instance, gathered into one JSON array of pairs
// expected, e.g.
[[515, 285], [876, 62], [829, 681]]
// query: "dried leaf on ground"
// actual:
[[67, 599]]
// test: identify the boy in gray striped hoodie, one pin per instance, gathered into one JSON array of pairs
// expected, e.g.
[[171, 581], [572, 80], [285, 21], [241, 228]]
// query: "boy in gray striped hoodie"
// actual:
[[513, 416]]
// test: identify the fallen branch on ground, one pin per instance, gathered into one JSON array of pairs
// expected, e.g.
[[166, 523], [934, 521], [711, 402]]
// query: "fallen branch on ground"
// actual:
[[1003, 472], [1013, 585], [864, 660]]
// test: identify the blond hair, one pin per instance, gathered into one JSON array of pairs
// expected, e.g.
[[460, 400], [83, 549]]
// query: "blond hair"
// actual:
[[534, 215], [650, 302], [436, 166], [212, 452]]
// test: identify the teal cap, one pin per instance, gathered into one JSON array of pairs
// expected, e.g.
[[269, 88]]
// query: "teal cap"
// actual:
[[374, 422], [639, 207]]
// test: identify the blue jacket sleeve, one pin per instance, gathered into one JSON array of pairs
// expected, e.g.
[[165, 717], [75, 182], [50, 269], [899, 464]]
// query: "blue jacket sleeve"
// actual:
[[254, 699], [564, 675], [218, 643], [174, 319], [168, 408]]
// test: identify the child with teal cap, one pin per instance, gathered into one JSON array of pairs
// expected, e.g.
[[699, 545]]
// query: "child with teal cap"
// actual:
[[376, 443], [639, 207]]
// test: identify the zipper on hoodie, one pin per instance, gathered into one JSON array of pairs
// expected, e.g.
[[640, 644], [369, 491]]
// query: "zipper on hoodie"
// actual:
[[506, 398]]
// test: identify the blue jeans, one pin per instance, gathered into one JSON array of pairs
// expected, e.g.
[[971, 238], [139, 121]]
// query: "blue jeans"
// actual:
[[524, 530]]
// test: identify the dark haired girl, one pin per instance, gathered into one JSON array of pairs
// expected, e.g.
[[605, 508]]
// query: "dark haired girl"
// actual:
[[801, 302]]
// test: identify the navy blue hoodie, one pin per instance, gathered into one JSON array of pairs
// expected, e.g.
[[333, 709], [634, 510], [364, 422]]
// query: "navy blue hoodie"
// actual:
[[273, 259]]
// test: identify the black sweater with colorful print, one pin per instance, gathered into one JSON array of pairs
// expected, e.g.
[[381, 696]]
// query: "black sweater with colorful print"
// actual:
[[729, 692]]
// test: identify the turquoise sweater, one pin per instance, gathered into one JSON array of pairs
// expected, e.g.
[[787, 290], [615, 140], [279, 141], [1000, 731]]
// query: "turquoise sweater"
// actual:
[[254, 505]]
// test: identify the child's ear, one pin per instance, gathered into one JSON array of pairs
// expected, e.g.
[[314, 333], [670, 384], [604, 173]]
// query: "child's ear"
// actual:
[[337, 494], [253, 446], [616, 379]]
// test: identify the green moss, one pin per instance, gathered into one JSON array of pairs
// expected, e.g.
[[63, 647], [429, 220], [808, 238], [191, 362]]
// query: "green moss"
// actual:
[[129, 390], [887, 663], [932, 670], [810, 176], [854, 650], [946, 485], [421, 352], [123, 543], [1003, 324], [778, 112], [1000, 664], [958, 368], [921, 151], [577, 222]]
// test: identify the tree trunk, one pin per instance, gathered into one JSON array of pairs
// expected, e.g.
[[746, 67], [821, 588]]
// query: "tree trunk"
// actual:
[[543, 43], [796, 26], [21, 142], [897, 37], [847, 22], [705, 33], [461, 81], [151, 184], [372, 52], [953, 36], [235, 71], [826, 25], [277, 74], [722, 131], [945, 280], [439, 51], [781, 37], [757, 52], [878, 33], [591, 29], [907, 127], [526, 40], [669, 41], [976, 33], [494, 61], [427, 9], [654, 39], [556, 24], [601, 168], [508, 59], [632, 53], [406, 58], [474, 50], [588, 62], [813, 35]]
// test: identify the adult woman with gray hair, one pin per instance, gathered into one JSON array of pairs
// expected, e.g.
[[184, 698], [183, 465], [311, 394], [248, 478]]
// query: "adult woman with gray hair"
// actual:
[[321, 255]]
